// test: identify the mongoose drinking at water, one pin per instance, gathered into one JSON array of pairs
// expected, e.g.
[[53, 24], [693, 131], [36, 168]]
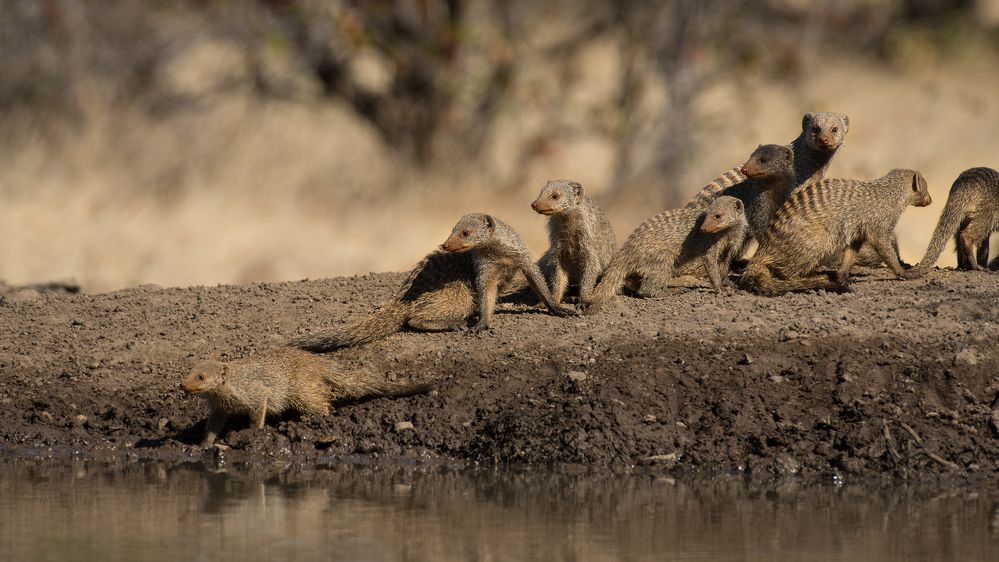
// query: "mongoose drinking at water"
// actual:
[[822, 134], [279, 381], [445, 289], [970, 216], [830, 218], [679, 242], [769, 180], [582, 241]]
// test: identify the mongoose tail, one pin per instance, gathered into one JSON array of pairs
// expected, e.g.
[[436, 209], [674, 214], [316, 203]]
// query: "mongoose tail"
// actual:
[[757, 279], [385, 321], [610, 282], [946, 228]]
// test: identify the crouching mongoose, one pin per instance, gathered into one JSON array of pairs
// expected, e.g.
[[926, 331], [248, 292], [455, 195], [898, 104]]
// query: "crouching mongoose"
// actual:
[[278, 381], [832, 218], [582, 241], [700, 242], [448, 287], [822, 134], [970, 216]]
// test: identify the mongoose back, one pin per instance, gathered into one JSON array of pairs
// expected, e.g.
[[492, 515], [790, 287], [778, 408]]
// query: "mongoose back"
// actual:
[[699, 242], [279, 381], [829, 218], [448, 287], [582, 241], [822, 134], [970, 216]]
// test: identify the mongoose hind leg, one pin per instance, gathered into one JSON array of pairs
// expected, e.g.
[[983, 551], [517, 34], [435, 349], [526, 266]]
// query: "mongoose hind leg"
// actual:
[[849, 257], [966, 248], [261, 415], [983, 253], [559, 282]]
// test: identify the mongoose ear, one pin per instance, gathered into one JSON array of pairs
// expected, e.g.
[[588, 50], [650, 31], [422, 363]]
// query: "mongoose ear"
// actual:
[[806, 120], [490, 222], [577, 187], [224, 371], [788, 154], [738, 204], [846, 123]]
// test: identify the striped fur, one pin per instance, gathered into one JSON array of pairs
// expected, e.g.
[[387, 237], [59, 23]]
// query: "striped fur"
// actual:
[[970, 216], [827, 219]]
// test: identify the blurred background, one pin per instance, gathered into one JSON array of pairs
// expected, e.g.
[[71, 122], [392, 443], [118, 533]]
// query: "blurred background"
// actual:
[[222, 141]]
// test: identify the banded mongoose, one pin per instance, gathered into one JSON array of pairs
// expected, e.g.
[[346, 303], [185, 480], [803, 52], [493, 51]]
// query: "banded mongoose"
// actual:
[[769, 180], [827, 219], [582, 241], [822, 134], [447, 287], [498, 253], [970, 216], [699, 242], [277, 381]]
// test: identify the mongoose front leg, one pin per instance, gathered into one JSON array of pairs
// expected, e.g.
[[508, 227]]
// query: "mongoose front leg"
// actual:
[[261, 415], [487, 282], [591, 271], [537, 282], [882, 245], [559, 282], [216, 421], [843, 272], [714, 271]]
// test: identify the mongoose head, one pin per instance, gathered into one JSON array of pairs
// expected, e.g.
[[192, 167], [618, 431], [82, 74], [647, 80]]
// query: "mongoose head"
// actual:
[[205, 376], [768, 161], [472, 229], [558, 196], [825, 131], [723, 213], [917, 189]]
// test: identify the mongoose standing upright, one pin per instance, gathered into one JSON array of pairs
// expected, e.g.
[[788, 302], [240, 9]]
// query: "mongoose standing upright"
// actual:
[[679, 242], [970, 215], [822, 134], [829, 218], [769, 180], [498, 253], [445, 289], [582, 241], [279, 381]]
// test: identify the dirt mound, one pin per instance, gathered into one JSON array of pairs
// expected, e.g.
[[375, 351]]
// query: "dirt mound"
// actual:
[[897, 378]]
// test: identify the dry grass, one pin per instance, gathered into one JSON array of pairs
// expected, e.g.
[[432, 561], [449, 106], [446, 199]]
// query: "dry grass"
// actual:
[[251, 192]]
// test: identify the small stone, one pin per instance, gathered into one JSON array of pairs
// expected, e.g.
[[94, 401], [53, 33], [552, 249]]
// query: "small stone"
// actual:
[[746, 359], [162, 423], [967, 356], [669, 458], [577, 376], [79, 420], [45, 416], [403, 426], [650, 418]]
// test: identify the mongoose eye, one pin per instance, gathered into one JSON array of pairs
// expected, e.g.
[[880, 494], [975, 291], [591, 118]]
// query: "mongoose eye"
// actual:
[[201, 377], [717, 216], [763, 160], [835, 129], [465, 233], [554, 195]]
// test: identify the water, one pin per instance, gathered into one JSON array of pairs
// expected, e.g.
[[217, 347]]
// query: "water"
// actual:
[[92, 511]]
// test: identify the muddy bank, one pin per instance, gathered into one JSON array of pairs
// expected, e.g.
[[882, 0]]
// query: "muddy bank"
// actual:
[[895, 380]]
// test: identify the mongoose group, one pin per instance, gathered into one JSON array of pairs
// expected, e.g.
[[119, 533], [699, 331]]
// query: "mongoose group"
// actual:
[[810, 232]]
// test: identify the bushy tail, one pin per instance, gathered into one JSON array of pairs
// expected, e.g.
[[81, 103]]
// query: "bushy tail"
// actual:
[[757, 278], [610, 283], [383, 322], [946, 228], [366, 387]]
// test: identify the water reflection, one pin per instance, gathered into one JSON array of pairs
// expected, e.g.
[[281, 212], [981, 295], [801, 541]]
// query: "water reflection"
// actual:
[[86, 510]]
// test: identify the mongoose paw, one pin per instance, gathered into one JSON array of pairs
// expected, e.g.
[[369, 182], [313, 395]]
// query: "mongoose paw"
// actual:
[[477, 329], [565, 311]]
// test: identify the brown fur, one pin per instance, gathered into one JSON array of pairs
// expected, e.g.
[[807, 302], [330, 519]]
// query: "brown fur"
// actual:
[[698, 242], [970, 216], [582, 241], [278, 381], [832, 218]]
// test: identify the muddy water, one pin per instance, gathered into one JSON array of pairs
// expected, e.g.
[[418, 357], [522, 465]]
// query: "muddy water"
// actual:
[[95, 511]]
